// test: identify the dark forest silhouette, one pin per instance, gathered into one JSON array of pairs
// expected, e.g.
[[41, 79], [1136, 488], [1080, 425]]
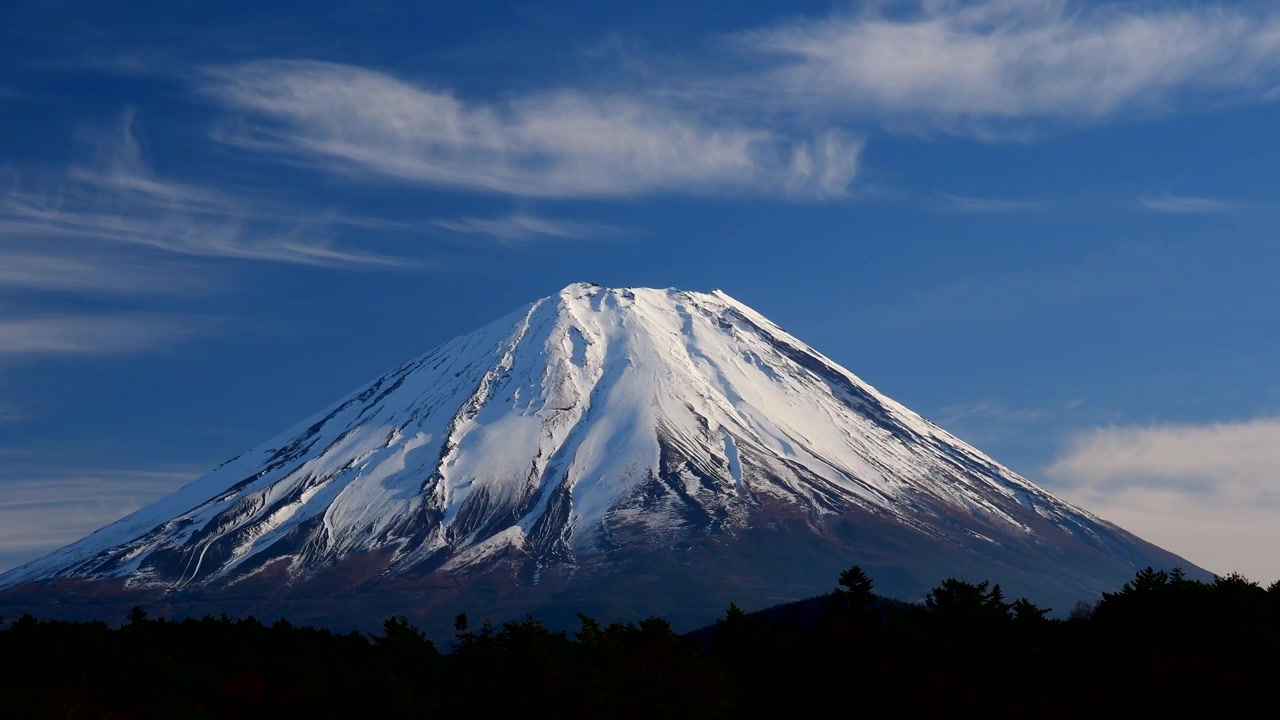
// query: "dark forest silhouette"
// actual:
[[1162, 644]]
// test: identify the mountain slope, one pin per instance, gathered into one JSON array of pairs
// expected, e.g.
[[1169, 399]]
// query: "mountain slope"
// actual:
[[590, 440]]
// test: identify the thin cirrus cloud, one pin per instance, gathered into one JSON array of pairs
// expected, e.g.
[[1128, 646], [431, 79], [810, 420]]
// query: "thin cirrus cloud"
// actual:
[[1184, 204], [80, 334], [522, 226], [1208, 492], [950, 61], [93, 273], [41, 512], [118, 203], [988, 205], [554, 144], [112, 227]]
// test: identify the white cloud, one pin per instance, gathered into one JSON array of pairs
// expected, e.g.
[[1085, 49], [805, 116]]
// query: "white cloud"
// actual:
[[118, 201], [523, 226], [552, 144], [763, 117], [1016, 59], [1210, 493], [43, 512], [1184, 204]]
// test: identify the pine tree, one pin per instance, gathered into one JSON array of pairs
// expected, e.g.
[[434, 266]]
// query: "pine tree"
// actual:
[[734, 615], [1024, 611], [959, 602], [994, 602], [1146, 580], [855, 592], [736, 633], [957, 598], [399, 634]]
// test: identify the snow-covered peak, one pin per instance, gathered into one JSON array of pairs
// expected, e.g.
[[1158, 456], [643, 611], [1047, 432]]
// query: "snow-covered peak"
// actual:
[[582, 424]]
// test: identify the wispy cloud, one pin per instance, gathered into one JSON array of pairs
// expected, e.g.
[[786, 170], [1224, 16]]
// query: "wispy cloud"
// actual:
[[981, 205], [989, 410], [1184, 204], [947, 60], [553, 144], [523, 226], [1208, 492], [117, 200], [996, 425], [94, 273], [726, 122], [42, 512], [93, 334], [995, 297]]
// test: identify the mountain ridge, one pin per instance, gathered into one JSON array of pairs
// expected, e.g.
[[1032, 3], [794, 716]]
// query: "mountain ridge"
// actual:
[[592, 430]]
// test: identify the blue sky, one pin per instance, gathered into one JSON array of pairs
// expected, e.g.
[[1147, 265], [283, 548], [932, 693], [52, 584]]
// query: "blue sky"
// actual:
[[1048, 226]]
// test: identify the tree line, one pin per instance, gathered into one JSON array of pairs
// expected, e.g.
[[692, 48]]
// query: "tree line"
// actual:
[[1161, 644]]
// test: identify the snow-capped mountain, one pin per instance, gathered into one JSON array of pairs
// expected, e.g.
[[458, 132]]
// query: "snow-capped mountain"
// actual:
[[672, 448]]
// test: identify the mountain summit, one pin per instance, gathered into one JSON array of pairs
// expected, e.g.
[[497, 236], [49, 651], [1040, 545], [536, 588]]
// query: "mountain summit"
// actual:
[[622, 451]]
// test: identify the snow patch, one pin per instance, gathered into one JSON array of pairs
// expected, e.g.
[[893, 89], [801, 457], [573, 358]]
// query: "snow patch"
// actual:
[[731, 454], [510, 538]]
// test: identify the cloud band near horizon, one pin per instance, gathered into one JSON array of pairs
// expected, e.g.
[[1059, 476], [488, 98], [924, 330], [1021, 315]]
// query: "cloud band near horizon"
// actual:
[[1208, 492]]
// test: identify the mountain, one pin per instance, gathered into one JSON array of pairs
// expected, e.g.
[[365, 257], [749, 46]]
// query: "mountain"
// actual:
[[624, 452]]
